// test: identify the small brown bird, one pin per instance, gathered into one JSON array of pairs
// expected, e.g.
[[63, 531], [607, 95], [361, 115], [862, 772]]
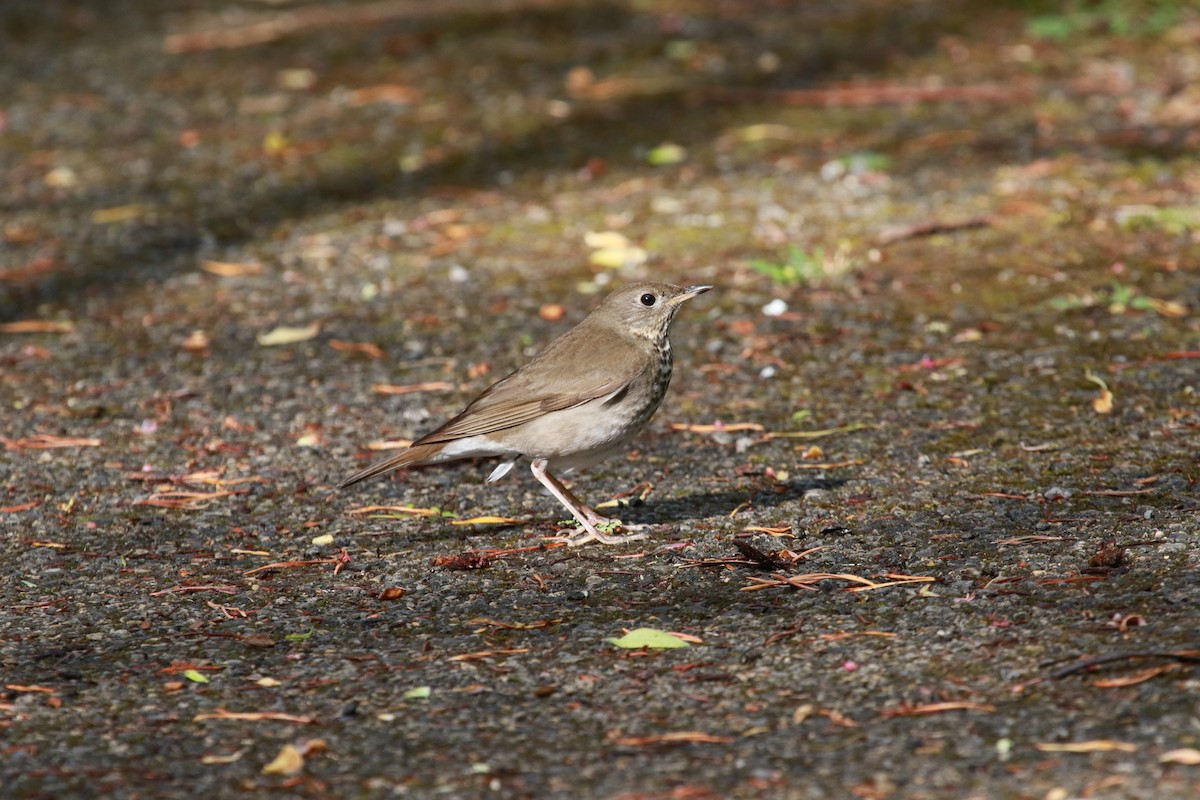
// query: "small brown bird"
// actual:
[[577, 402]]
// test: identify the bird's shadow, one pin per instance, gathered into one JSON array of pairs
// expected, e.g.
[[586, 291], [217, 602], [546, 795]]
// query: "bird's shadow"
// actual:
[[652, 512], [716, 503]]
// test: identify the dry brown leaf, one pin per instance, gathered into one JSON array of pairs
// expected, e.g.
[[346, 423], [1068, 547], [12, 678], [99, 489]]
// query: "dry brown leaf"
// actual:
[[254, 716], [21, 507], [111, 216], [385, 93], [717, 427], [197, 342], [832, 464], [1186, 755], [1103, 404], [416, 512], [37, 326], [430, 386], [389, 444], [485, 654], [1093, 746], [936, 708], [219, 759], [291, 564], [367, 349], [229, 269], [782, 530], [1136, 678], [676, 737], [288, 762], [184, 500], [44, 441]]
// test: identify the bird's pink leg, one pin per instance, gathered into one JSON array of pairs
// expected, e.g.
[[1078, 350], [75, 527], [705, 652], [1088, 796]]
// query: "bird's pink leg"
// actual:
[[588, 519]]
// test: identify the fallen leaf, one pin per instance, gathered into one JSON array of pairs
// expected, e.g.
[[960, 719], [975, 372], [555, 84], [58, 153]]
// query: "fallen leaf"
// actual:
[[485, 654], [486, 521], [431, 386], [1104, 403], [1093, 746], [718, 427], [416, 512], [184, 500], [385, 93], [782, 530], [1186, 755], [288, 335], [45, 441], [21, 507], [650, 638], [392, 593], [222, 759], [229, 269], [906, 710], [288, 762], [109, 216], [196, 342], [418, 693], [676, 737], [195, 676], [613, 250], [254, 716], [666, 154], [37, 326], [1136, 678], [323, 539], [367, 349]]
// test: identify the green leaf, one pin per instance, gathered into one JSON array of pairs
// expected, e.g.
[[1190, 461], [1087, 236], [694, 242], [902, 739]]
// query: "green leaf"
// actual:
[[195, 676], [667, 153], [417, 693], [648, 637], [300, 637]]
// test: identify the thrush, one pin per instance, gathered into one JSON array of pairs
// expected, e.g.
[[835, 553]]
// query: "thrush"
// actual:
[[579, 401]]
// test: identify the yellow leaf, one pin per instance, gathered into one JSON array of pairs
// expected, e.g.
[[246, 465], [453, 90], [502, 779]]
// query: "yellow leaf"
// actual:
[[108, 216], [288, 762], [1104, 403], [287, 335], [649, 638], [323, 539], [486, 521]]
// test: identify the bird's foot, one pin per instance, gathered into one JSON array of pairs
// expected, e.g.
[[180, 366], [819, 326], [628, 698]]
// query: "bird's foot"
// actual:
[[600, 529]]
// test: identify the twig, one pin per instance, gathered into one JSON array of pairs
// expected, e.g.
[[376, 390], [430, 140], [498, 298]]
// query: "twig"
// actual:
[[1183, 656], [262, 28], [931, 228]]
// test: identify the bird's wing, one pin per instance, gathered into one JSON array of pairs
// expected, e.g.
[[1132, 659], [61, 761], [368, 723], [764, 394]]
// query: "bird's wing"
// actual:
[[570, 372]]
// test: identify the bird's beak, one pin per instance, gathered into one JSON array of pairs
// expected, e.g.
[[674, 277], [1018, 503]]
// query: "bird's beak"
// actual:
[[689, 293]]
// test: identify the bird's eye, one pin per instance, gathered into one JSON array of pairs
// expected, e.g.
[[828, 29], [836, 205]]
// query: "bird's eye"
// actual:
[[648, 299]]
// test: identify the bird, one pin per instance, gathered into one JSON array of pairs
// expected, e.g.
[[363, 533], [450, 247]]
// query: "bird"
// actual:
[[579, 401]]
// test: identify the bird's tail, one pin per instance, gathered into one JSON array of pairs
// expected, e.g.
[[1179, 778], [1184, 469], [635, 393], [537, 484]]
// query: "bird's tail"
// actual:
[[419, 454]]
